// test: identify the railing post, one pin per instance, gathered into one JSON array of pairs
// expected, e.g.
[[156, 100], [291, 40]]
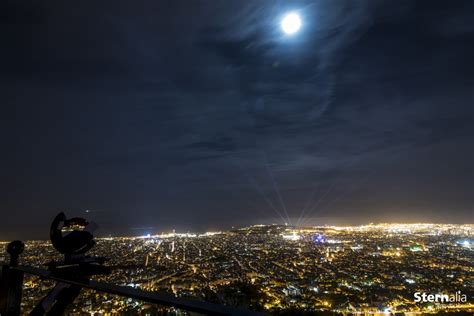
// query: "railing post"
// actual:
[[11, 282]]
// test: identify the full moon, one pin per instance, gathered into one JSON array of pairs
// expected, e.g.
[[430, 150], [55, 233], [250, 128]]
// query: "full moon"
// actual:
[[291, 23]]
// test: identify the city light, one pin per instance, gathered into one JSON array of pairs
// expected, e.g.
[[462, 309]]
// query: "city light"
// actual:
[[319, 238], [273, 260], [293, 236], [465, 243]]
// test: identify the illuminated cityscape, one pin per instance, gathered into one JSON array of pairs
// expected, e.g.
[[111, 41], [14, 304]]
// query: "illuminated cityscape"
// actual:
[[375, 268], [225, 157]]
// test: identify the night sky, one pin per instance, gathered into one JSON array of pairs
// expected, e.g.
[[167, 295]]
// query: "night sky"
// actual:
[[200, 115]]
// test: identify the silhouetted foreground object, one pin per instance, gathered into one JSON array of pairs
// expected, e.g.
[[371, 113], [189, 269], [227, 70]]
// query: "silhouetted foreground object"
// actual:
[[77, 240], [74, 238], [14, 249], [11, 281]]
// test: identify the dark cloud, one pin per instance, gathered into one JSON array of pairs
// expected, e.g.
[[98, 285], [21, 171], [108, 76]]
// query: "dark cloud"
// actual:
[[183, 113]]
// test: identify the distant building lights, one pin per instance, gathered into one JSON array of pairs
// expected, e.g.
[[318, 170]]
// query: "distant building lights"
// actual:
[[293, 236]]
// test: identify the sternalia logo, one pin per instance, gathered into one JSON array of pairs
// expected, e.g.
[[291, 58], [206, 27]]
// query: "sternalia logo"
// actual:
[[457, 297]]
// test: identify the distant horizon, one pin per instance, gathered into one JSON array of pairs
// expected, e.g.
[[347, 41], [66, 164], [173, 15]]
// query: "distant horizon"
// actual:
[[217, 230]]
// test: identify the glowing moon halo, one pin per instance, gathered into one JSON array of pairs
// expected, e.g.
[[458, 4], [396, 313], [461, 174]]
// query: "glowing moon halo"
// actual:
[[291, 23]]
